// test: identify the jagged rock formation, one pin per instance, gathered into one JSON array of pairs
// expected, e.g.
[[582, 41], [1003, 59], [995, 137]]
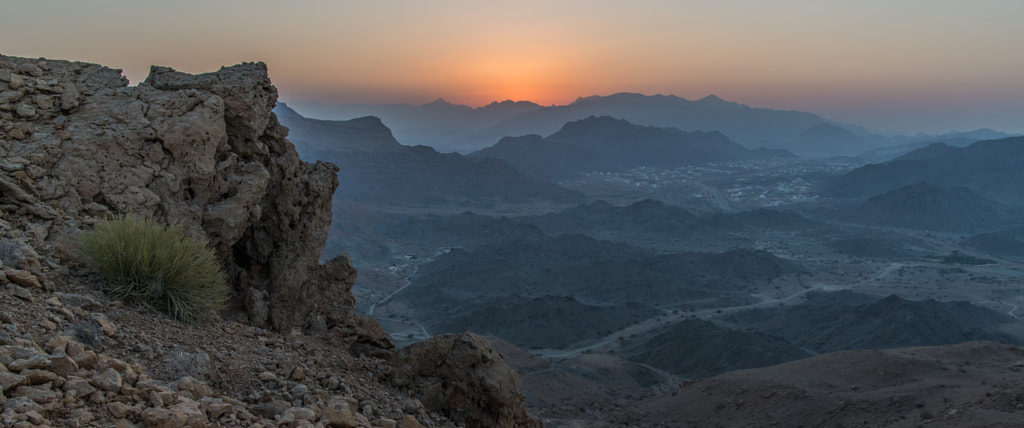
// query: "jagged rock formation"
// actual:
[[204, 151], [462, 376]]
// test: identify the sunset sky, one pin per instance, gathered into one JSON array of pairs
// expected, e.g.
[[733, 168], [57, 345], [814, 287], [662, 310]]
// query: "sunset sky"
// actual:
[[895, 65]]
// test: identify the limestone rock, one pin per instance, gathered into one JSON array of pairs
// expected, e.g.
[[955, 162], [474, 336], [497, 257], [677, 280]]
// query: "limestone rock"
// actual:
[[23, 278], [338, 413], [107, 380], [464, 378], [408, 421], [204, 151], [9, 381], [184, 414]]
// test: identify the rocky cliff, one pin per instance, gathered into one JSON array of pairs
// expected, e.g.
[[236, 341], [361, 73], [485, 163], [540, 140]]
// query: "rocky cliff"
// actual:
[[77, 144], [204, 151]]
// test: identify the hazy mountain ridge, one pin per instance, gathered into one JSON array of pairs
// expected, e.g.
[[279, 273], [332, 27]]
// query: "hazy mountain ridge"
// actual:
[[450, 127], [604, 143], [989, 168], [378, 170]]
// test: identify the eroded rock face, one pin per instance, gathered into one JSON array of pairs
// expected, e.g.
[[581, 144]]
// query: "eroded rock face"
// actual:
[[464, 378], [77, 144]]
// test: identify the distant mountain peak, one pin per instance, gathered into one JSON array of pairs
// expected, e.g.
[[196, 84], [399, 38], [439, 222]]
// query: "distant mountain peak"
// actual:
[[440, 101], [510, 103], [282, 109], [712, 99]]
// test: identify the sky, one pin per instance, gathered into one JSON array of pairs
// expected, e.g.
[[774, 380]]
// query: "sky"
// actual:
[[891, 66]]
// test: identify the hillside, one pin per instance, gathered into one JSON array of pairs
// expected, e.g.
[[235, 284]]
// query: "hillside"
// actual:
[[1001, 243], [590, 270], [697, 348], [972, 384], [608, 144], [517, 288], [989, 168], [829, 323], [927, 207]]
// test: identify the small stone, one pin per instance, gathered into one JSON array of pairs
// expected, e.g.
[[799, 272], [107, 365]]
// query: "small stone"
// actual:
[[87, 360], [299, 391], [75, 349], [41, 394], [35, 417], [48, 325], [408, 421], [272, 409], [215, 409], [80, 417], [33, 362], [38, 377], [196, 388], [79, 387], [17, 81], [57, 344], [44, 102], [22, 405], [97, 397], [338, 413], [23, 278], [368, 411], [297, 414], [267, 377], [119, 410], [9, 381], [21, 293], [183, 414], [70, 98], [106, 325], [387, 423], [61, 364], [27, 111], [107, 380], [29, 69]]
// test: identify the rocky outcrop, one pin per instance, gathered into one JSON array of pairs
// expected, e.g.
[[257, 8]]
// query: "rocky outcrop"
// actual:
[[464, 378], [77, 144], [205, 151]]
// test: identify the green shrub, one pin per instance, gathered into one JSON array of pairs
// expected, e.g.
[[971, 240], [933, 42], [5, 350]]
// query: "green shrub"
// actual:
[[158, 266]]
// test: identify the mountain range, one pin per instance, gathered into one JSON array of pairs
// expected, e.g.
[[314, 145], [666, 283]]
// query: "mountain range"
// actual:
[[608, 144], [377, 170], [451, 127]]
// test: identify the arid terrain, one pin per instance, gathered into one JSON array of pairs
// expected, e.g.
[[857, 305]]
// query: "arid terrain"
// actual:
[[662, 278]]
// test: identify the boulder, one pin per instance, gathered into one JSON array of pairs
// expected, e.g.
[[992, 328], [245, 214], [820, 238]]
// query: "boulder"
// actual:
[[462, 377]]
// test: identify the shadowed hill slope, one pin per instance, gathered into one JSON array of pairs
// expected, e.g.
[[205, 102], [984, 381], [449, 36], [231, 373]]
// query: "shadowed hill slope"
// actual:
[[989, 168]]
